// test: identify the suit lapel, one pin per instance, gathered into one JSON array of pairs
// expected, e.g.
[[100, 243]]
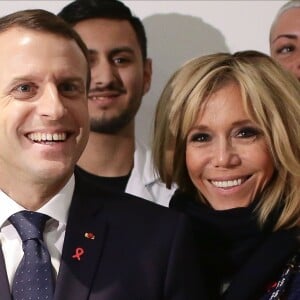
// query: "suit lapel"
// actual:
[[4, 285], [84, 241]]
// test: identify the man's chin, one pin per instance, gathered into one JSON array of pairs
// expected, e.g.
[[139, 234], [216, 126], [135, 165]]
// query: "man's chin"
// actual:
[[109, 127], [52, 171]]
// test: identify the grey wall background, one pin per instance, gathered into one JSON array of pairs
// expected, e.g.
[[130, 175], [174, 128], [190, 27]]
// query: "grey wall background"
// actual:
[[180, 30]]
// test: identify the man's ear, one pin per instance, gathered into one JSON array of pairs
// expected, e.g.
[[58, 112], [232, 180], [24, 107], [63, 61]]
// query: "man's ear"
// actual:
[[147, 75]]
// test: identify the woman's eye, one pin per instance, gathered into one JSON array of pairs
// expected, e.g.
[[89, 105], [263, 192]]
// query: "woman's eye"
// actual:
[[200, 137], [285, 49], [248, 132]]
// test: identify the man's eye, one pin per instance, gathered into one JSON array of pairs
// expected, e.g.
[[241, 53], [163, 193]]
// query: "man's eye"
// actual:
[[24, 88], [70, 89], [24, 91], [121, 60]]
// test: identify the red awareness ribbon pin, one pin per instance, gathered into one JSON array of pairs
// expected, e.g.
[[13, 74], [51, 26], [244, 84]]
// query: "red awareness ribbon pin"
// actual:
[[78, 252]]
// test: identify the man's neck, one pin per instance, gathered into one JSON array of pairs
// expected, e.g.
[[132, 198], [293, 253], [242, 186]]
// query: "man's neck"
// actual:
[[108, 155], [31, 194]]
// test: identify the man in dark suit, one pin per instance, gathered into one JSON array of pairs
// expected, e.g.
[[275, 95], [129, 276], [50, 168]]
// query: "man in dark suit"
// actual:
[[79, 242]]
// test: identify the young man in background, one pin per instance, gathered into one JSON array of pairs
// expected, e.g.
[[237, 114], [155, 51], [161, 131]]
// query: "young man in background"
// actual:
[[121, 75]]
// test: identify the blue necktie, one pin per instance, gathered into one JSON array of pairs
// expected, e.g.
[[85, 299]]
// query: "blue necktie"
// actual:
[[33, 278]]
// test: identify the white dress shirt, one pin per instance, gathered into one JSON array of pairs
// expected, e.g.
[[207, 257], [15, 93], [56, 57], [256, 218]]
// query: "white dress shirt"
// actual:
[[57, 208]]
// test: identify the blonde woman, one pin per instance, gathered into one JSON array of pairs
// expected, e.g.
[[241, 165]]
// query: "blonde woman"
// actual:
[[227, 132]]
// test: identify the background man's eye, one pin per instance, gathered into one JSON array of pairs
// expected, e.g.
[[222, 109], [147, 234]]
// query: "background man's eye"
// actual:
[[118, 60]]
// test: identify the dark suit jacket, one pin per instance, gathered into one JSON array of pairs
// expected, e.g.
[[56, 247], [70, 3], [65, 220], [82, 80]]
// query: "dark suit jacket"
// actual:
[[132, 249]]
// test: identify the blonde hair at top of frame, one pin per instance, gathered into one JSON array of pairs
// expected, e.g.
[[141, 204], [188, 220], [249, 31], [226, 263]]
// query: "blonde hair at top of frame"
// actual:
[[287, 6], [271, 97]]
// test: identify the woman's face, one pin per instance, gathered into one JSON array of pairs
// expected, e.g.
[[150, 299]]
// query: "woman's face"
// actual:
[[227, 157], [285, 41]]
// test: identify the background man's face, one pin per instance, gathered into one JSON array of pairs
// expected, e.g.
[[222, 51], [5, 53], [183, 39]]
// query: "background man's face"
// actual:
[[119, 75]]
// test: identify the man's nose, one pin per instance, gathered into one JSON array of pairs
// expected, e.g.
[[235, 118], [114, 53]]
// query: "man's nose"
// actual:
[[103, 73], [50, 103]]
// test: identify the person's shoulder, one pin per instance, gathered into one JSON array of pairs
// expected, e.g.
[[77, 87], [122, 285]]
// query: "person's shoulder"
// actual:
[[137, 207], [118, 201]]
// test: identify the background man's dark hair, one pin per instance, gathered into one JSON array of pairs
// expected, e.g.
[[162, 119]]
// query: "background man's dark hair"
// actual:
[[80, 10]]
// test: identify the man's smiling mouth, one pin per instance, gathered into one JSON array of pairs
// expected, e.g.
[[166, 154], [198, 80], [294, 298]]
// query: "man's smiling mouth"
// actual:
[[38, 137]]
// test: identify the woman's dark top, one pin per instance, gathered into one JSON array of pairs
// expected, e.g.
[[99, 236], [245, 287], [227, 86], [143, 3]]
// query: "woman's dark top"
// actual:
[[241, 260]]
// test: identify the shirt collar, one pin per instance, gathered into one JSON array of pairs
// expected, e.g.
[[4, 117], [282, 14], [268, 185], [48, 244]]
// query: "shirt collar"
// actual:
[[57, 207]]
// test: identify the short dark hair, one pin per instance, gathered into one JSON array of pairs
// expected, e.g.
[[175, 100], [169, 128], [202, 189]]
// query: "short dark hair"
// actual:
[[80, 10], [44, 21]]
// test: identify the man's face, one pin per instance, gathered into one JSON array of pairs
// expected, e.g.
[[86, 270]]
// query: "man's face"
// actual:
[[285, 41], [120, 77], [44, 119]]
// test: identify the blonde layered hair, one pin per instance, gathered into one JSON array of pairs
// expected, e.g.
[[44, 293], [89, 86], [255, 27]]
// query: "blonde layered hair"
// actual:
[[271, 98]]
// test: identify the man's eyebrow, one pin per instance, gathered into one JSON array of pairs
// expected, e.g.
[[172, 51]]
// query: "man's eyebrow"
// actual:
[[18, 79], [122, 49], [72, 78], [113, 50], [286, 35]]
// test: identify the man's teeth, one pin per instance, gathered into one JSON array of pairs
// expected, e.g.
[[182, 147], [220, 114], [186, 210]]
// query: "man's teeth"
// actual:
[[99, 98], [47, 137], [95, 98], [227, 183]]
